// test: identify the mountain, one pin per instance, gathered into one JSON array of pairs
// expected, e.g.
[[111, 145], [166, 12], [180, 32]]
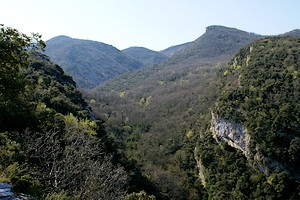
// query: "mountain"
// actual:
[[173, 49], [144, 55], [156, 112], [218, 42], [252, 147], [293, 33], [88, 62], [216, 45]]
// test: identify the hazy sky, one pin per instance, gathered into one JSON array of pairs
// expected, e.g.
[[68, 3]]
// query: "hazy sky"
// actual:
[[155, 24]]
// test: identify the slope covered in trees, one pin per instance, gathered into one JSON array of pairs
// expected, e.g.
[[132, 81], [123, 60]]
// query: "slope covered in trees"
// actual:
[[144, 55], [51, 146], [169, 52], [161, 117], [155, 113], [88, 62], [260, 89], [217, 43]]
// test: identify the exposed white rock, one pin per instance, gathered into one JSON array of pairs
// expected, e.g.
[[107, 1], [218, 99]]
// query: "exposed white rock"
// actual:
[[237, 136], [233, 133], [6, 193], [5, 190], [200, 167]]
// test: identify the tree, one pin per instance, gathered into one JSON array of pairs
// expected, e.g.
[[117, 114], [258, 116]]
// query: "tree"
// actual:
[[142, 195], [14, 47], [74, 160]]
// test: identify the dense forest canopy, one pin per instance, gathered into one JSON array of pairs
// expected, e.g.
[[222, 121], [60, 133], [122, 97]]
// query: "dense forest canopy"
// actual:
[[160, 115], [155, 113], [260, 89]]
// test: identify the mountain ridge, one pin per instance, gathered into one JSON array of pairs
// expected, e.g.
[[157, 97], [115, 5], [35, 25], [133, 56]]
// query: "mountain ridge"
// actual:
[[199, 52], [144, 55], [293, 33], [170, 51], [89, 62], [217, 41]]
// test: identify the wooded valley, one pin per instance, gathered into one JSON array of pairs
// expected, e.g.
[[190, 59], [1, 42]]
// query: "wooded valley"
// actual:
[[215, 118]]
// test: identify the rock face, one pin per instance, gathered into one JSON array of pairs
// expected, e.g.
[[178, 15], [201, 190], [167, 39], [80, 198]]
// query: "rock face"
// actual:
[[200, 167], [6, 193], [234, 134]]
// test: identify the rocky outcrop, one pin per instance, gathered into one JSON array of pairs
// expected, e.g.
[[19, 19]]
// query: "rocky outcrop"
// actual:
[[237, 136], [200, 167], [232, 133], [6, 193]]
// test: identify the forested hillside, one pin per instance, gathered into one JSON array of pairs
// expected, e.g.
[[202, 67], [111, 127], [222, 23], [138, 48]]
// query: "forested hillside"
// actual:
[[162, 119], [51, 145], [88, 62], [155, 113], [257, 113], [144, 55], [218, 43], [171, 51]]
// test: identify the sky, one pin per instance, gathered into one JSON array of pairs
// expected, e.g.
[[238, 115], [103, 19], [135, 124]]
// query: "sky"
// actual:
[[154, 24]]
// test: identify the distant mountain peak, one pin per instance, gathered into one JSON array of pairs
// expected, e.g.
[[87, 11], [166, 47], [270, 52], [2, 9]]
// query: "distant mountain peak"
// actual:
[[59, 37], [219, 28], [293, 33], [89, 62], [217, 42], [137, 47], [62, 36]]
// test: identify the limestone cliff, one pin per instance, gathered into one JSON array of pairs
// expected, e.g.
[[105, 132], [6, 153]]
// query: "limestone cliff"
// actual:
[[234, 134], [237, 136], [200, 167]]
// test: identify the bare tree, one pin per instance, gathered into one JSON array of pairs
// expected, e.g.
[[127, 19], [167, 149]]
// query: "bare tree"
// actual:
[[74, 162]]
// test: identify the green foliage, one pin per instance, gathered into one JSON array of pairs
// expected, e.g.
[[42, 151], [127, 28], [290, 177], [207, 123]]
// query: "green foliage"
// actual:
[[83, 126], [142, 195], [158, 128], [50, 145], [53, 87], [14, 47], [28, 185], [61, 196], [266, 97], [261, 91], [8, 173], [9, 150], [14, 57]]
